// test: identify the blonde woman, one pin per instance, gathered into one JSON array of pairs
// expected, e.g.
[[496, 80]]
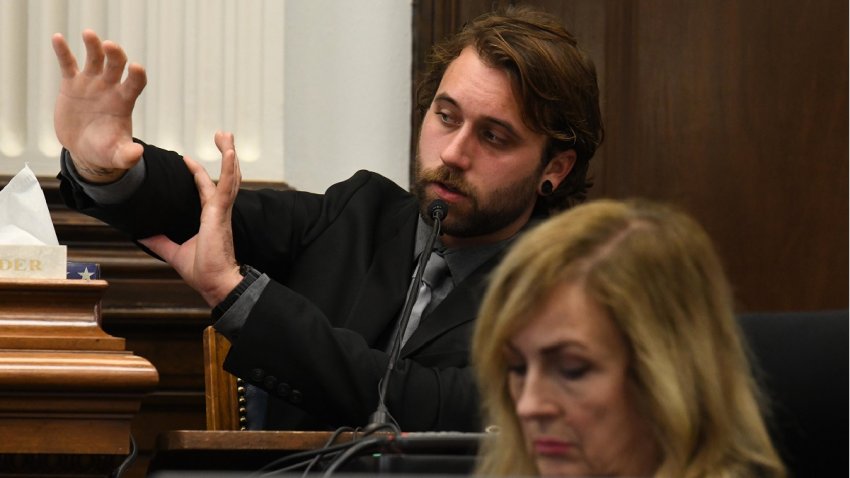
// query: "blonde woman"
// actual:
[[606, 345]]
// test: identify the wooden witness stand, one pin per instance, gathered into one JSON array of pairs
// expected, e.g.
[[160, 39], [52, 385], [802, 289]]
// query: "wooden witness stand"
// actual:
[[225, 445], [243, 451], [248, 452], [68, 390]]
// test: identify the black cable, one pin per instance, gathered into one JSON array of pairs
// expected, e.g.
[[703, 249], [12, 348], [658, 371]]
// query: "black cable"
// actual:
[[128, 460], [308, 454], [328, 443], [307, 462], [354, 450], [301, 464]]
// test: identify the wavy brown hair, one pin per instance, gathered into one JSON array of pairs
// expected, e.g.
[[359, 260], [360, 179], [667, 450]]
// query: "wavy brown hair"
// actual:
[[554, 81], [655, 272]]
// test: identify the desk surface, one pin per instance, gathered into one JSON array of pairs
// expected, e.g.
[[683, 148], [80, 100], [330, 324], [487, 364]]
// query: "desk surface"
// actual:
[[202, 440], [251, 450], [231, 450]]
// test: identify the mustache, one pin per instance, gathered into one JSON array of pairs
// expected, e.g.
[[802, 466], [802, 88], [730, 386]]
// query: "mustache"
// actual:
[[448, 177]]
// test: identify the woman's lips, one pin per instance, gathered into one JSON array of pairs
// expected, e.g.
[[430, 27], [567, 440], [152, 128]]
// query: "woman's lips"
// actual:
[[552, 447]]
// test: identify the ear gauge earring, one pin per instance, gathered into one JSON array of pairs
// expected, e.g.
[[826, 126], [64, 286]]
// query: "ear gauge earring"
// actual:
[[546, 188]]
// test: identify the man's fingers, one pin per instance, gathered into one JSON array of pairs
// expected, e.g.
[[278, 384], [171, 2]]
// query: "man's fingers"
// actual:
[[194, 167], [229, 168], [238, 182], [66, 59], [229, 179], [206, 187], [231, 175], [116, 60], [224, 141], [135, 82], [94, 53], [161, 246]]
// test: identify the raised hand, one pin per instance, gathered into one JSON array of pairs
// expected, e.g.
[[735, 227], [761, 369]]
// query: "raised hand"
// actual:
[[207, 261], [93, 114]]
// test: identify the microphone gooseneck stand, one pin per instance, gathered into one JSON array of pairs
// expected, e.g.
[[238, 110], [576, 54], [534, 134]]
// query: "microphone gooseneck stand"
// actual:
[[437, 210], [381, 419]]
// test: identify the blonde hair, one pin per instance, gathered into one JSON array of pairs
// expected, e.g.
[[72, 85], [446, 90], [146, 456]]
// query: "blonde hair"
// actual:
[[655, 271]]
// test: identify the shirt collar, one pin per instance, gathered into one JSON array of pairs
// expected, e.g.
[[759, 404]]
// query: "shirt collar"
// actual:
[[463, 261]]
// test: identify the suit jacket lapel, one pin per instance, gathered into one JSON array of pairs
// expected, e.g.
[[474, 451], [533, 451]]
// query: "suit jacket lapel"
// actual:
[[459, 307]]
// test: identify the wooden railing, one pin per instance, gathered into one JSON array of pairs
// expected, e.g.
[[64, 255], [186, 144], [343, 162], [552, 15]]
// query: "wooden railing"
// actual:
[[68, 390]]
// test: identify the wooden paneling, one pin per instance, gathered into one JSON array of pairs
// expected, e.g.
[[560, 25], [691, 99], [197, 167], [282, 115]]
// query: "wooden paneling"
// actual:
[[738, 112], [735, 111]]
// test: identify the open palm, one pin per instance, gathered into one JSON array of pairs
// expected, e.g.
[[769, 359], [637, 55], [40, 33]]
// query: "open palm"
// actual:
[[93, 113]]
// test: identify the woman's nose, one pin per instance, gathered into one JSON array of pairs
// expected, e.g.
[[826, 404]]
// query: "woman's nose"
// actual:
[[536, 398]]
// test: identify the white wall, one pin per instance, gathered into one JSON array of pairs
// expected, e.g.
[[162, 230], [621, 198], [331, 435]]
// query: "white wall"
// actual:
[[313, 89], [347, 90]]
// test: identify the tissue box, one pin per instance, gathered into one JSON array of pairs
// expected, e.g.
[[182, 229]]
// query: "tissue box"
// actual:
[[83, 270], [33, 261]]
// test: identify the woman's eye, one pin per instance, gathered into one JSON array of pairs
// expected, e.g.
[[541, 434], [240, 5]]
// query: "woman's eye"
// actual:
[[517, 369], [574, 373]]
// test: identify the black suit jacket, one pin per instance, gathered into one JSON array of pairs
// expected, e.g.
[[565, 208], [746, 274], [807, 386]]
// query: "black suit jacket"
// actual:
[[340, 265]]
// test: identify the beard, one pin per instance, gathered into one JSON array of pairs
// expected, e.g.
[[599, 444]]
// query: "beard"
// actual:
[[474, 217]]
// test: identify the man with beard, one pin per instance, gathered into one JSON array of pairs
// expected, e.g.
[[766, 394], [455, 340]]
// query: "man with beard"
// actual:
[[309, 288]]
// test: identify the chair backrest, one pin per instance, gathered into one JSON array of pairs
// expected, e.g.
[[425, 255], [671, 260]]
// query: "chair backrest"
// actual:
[[221, 393], [801, 363]]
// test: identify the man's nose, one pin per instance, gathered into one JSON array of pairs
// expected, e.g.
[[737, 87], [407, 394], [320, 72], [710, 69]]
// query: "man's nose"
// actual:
[[459, 152]]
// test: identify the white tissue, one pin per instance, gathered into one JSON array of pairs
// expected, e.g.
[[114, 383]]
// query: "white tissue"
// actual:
[[28, 244], [24, 217]]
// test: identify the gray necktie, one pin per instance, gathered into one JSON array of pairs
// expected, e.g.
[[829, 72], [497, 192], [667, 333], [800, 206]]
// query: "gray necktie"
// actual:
[[434, 284]]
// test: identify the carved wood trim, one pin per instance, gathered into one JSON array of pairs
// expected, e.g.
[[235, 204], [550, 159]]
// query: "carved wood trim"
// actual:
[[222, 400], [66, 386]]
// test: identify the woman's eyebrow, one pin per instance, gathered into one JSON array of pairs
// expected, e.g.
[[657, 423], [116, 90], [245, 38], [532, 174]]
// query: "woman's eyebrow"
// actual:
[[550, 350]]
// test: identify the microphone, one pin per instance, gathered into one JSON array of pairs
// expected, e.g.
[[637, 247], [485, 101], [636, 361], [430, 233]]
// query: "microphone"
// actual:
[[437, 210]]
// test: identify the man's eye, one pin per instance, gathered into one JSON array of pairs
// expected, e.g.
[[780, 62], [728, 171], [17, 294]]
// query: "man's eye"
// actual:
[[492, 138], [445, 118]]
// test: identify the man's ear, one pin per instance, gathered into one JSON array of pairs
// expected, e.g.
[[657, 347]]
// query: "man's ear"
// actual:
[[559, 167]]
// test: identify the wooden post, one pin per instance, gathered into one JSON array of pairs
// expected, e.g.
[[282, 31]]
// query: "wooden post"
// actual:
[[68, 390]]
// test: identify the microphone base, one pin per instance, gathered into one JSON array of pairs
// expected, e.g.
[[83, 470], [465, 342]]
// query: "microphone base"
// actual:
[[381, 419]]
